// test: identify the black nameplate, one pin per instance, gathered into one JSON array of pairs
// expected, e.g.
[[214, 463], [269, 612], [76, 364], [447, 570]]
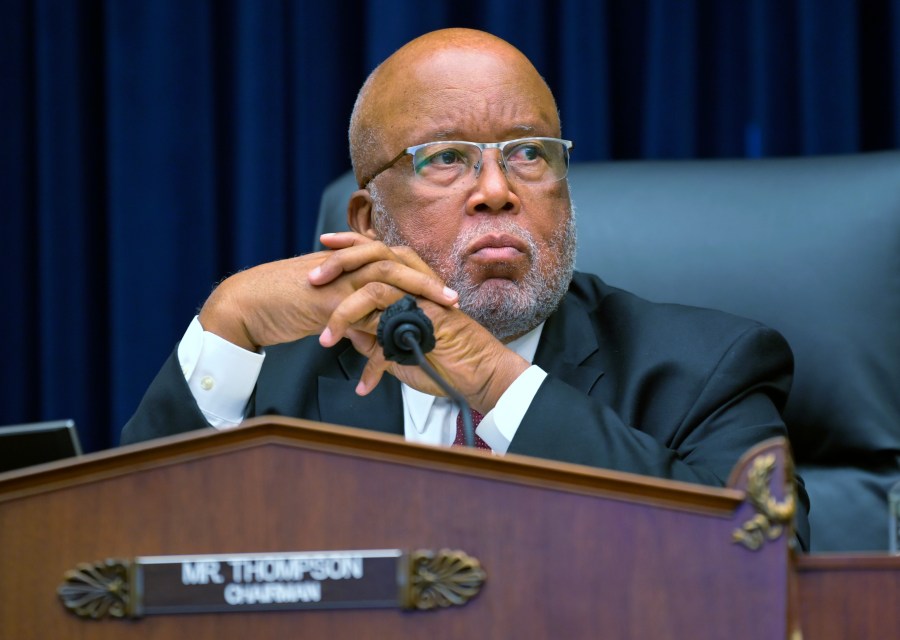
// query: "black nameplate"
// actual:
[[153, 585], [261, 582]]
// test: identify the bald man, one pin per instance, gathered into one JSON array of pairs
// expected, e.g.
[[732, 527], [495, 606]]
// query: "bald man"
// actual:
[[463, 203]]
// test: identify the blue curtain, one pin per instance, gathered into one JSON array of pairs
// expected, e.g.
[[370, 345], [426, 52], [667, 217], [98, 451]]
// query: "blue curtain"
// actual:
[[148, 149]]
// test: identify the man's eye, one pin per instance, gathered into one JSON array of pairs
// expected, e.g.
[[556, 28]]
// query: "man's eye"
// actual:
[[447, 156], [526, 153]]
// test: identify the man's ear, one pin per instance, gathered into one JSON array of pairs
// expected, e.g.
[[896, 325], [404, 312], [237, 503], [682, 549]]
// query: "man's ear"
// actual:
[[359, 213]]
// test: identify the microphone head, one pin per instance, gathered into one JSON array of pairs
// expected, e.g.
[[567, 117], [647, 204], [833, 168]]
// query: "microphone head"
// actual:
[[399, 322]]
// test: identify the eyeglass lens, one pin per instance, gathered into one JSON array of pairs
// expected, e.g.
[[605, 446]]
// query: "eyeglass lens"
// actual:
[[532, 161]]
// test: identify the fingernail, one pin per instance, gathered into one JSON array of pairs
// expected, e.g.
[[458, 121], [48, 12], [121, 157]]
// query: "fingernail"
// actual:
[[361, 388], [325, 339], [315, 272], [325, 235], [450, 293]]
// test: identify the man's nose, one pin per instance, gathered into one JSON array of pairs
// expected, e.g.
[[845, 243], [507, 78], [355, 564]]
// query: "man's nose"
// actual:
[[493, 191]]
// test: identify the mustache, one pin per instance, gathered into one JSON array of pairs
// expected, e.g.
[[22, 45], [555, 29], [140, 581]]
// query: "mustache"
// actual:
[[496, 226]]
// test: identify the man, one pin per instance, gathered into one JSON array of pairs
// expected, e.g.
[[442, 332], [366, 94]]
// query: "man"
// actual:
[[463, 203]]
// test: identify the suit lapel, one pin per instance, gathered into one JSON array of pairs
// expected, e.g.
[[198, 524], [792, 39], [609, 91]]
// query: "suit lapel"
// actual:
[[381, 410], [567, 342]]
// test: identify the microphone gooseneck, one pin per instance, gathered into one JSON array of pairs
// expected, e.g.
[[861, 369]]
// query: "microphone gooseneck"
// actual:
[[406, 334]]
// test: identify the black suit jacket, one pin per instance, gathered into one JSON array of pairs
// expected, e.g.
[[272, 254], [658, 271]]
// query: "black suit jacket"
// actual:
[[656, 389]]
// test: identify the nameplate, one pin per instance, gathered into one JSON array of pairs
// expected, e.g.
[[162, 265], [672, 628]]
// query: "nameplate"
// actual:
[[381, 578]]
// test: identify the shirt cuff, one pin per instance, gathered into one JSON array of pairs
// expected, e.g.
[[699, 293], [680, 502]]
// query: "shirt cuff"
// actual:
[[220, 375], [499, 425]]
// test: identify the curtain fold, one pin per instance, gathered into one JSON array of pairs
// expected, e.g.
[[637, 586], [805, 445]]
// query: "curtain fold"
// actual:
[[151, 148]]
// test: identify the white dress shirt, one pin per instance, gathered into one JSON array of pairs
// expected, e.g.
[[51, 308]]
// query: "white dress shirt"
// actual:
[[221, 377]]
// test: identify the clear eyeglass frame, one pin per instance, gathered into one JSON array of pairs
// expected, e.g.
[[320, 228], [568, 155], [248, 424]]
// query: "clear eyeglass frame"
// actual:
[[554, 151]]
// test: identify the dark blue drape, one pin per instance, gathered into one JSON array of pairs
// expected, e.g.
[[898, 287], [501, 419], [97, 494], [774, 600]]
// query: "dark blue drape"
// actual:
[[147, 149]]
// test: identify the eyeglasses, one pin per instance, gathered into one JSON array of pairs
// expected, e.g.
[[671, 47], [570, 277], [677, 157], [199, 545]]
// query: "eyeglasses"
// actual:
[[457, 162]]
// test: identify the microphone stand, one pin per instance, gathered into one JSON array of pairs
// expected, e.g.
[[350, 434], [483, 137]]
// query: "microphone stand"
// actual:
[[406, 334], [468, 428]]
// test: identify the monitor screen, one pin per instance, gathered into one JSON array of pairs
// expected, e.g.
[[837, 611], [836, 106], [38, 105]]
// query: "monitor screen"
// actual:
[[23, 445]]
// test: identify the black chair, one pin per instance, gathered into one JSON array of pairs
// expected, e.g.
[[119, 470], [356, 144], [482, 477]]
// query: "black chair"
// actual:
[[809, 246]]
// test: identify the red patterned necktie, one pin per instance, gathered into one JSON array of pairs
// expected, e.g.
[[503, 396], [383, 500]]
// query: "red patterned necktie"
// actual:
[[460, 440]]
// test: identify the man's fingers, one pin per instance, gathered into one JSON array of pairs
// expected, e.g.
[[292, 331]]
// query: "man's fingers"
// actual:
[[412, 259], [417, 283], [374, 370], [378, 264], [356, 251], [343, 239], [359, 309], [350, 258]]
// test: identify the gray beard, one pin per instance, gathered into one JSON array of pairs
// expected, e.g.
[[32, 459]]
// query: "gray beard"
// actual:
[[506, 308]]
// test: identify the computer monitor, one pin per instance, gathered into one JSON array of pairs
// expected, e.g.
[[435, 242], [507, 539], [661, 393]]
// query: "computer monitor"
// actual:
[[22, 445]]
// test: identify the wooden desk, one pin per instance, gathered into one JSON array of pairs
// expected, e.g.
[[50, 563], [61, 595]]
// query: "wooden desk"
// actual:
[[570, 552], [849, 597]]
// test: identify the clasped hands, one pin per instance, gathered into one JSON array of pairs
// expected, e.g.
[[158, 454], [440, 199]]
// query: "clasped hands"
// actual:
[[340, 293]]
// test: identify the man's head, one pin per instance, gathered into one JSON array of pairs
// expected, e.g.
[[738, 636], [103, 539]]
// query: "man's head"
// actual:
[[506, 244]]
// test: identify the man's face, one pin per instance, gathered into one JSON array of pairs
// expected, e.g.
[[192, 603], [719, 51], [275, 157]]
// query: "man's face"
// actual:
[[506, 247]]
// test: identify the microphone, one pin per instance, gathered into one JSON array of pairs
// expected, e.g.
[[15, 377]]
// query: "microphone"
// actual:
[[403, 324], [406, 334]]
